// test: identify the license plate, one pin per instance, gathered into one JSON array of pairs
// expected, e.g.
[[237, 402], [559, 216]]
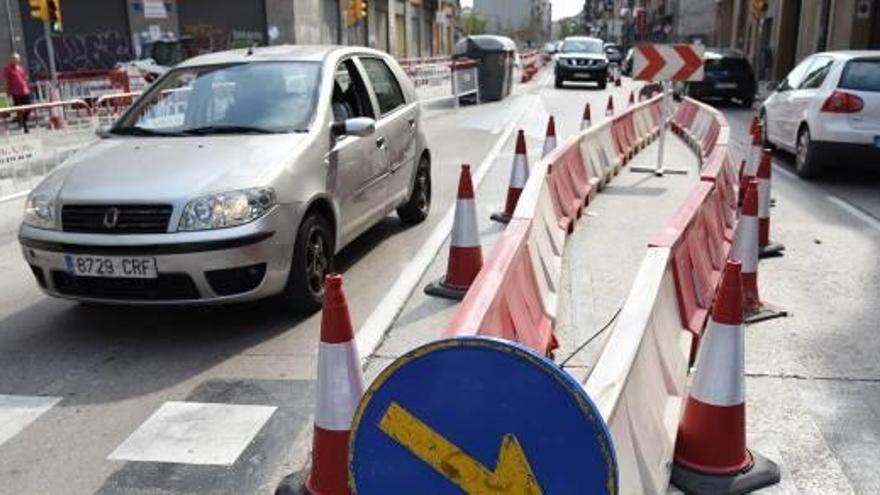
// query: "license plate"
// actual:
[[583, 75], [110, 266], [725, 85]]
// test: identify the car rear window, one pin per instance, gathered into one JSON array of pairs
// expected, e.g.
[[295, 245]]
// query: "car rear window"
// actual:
[[733, 65], [861, 75]]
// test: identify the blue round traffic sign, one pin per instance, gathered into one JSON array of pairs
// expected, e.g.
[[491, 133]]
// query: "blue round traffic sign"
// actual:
[[479, 415]]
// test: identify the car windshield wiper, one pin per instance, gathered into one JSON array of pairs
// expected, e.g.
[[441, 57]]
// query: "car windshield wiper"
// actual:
[[140, 131], [226, 129]]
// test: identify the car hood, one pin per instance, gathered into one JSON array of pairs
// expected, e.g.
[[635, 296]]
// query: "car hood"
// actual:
[[173, 169]]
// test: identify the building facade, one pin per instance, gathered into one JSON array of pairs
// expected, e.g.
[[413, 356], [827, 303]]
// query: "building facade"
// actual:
[[527, 21], [98, 34], [790, 30]]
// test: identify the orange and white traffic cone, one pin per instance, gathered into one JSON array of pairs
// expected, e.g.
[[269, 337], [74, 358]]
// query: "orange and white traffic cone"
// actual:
[[609, 108], [519, 174], [632, 99], [339, 390], [550, 140], [745, 250], [765, 247], [586, 120], [711, 456], [465, 253], [617, 81]]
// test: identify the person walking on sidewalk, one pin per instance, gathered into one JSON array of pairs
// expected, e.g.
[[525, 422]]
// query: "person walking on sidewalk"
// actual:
[[16, 78]]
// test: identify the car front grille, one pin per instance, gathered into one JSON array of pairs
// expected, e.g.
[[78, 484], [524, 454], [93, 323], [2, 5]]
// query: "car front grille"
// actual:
[[167, 287], [116, 219]]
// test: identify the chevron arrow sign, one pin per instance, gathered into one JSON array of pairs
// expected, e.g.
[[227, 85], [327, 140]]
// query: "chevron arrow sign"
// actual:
[[677, 62]]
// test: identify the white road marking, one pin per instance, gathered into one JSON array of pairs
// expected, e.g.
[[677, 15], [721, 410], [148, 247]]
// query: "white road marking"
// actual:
[[19, 411], [17, 195], [380, 320], [852, 210], [842, 204], [194, 433]]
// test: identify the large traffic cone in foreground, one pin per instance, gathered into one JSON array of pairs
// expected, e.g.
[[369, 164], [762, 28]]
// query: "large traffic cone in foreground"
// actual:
[[519, 174], [745, 250], [711, 456], [340, 389], [465, 253], [766, 248], [586, 120], [550, 140], [609, 108]]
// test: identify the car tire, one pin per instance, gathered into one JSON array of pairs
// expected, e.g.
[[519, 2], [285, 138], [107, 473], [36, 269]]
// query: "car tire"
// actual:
[[559, 81], [417, 207], [313, 259], [748, 101], [602, 84], [807, 163]]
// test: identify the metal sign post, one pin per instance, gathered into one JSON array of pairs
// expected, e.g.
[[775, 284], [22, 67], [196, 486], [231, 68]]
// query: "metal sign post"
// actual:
[[664, 64], [50, 49]]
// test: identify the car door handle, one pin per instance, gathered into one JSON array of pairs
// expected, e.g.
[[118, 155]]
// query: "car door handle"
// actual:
[[381, 142]]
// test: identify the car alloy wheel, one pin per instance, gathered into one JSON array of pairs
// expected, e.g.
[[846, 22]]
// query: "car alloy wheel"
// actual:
[[317, 261]]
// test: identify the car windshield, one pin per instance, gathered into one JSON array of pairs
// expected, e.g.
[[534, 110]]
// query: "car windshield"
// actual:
[[582, 46], [862, 75], [258, 97]]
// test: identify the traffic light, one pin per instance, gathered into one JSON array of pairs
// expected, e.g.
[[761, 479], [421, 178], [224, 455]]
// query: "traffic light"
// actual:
[[357, 10], [39, 10], [54, 19], [759, 8]]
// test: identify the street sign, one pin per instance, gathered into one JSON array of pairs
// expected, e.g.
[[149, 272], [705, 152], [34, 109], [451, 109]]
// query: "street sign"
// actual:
[[678, 62], [481, 416]]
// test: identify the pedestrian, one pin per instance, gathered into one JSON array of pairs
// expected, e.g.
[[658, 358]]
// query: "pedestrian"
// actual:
[[16, 78]]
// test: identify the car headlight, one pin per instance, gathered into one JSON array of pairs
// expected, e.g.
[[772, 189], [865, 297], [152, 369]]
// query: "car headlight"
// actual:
[[228, 209], [39, 211]]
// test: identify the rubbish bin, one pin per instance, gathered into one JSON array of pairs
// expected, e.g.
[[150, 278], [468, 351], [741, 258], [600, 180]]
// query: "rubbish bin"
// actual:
[[496, 56]]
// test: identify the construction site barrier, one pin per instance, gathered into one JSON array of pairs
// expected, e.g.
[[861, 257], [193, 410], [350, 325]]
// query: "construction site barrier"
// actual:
[[438, 78], [532, 61], [515, 294]]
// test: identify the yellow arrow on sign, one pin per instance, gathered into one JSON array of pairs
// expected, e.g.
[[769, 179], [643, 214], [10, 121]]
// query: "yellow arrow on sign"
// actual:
[[512, 474]]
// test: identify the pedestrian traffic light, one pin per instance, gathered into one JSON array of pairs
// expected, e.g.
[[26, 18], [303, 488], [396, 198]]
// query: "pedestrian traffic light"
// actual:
[[39, 10], [54, 20]]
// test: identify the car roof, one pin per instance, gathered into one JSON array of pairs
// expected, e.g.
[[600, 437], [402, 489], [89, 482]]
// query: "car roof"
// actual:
[[716, 53], [850, 54], [581, 38], [279, 53]]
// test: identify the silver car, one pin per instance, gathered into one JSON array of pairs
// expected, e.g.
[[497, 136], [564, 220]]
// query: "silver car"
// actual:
[[236, 176]]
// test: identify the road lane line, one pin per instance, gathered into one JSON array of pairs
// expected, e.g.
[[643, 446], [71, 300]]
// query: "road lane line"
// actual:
[[19, 411], [371, 333], [854, 211], [844, 205]]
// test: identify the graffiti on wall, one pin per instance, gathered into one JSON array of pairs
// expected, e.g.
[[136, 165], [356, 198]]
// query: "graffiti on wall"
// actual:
[[206, 38], [75, 52]]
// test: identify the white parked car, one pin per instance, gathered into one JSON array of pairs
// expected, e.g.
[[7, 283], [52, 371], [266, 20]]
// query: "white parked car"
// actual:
[[828, 106]]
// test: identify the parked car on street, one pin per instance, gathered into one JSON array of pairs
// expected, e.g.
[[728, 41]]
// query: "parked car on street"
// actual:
[[237, 175], [614, 53], [728, 77], [583, 59], [827, 109]]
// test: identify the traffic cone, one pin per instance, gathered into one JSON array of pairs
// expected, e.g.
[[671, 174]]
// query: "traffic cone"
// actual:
[[711, 456], [609, 108], [550, 140], [766, 248], [745, 250], [586, 120], [519, 174], [753, 159], [632, 99], [465, 253], [339, 390], [617, 80]]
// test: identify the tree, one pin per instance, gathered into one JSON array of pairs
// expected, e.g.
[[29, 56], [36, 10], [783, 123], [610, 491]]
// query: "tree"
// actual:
[[473, 24]]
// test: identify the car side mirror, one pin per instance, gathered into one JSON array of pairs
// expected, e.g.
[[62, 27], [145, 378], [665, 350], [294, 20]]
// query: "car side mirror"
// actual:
[[358, 126]]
